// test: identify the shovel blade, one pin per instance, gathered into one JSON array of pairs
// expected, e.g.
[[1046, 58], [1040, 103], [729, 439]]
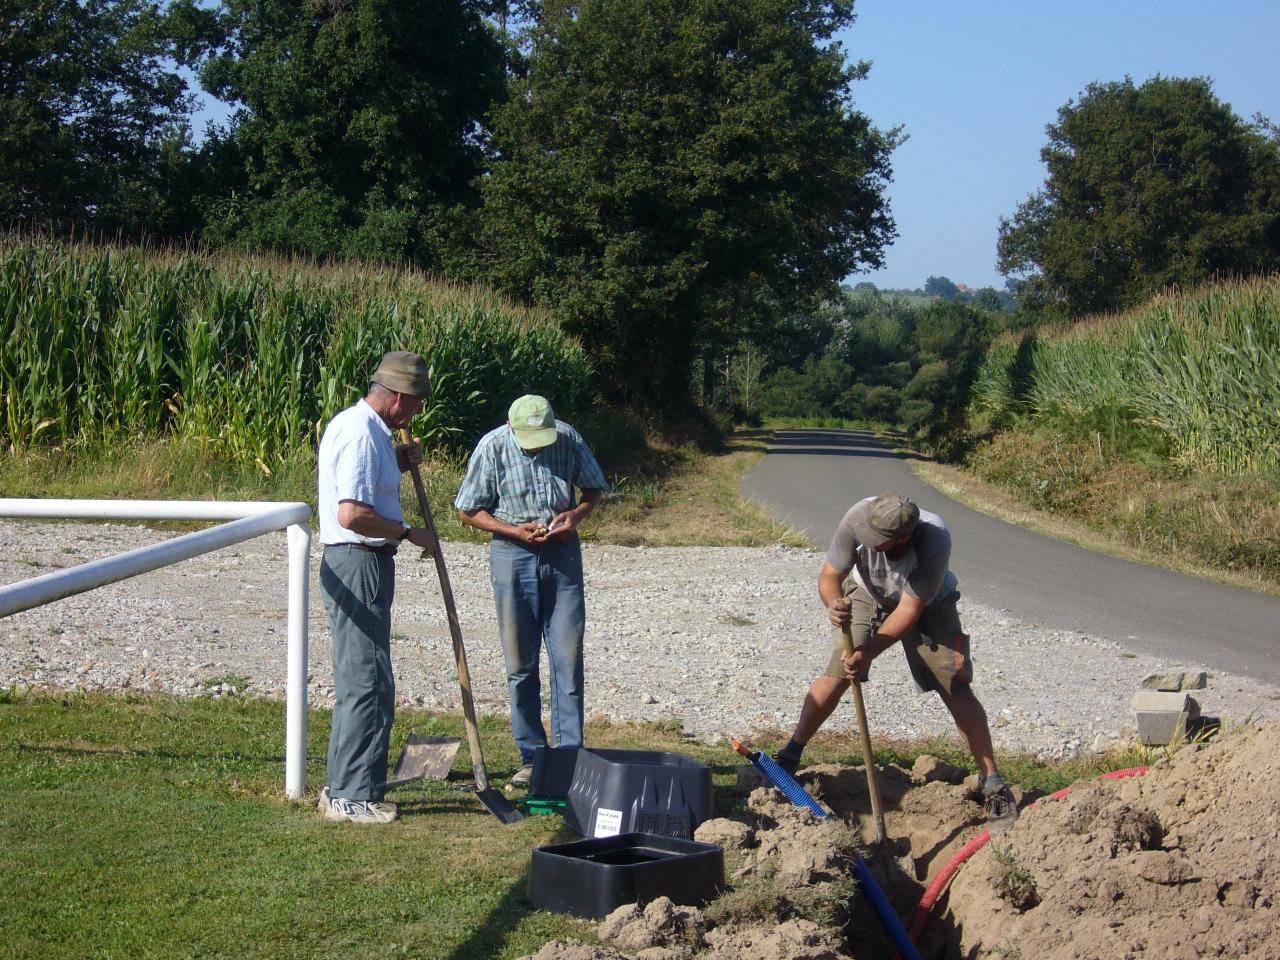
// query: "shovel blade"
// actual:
[[498, 805], [424, 757]]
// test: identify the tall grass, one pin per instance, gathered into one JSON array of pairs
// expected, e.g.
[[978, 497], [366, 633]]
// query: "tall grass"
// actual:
[[1201, 369], [251, 357]]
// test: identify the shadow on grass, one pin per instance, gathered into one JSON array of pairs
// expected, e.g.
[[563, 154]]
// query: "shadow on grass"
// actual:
[[487, 939], [484, 941], [430, 807]]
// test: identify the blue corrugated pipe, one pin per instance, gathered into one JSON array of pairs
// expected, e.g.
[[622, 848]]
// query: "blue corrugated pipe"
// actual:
[[800, 797]]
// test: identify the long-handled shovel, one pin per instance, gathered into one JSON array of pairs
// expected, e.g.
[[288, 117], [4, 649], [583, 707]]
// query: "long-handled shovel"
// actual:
[[868, 758], [492, 799]]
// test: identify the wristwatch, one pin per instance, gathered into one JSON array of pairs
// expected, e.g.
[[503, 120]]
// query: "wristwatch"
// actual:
[[404, 533]]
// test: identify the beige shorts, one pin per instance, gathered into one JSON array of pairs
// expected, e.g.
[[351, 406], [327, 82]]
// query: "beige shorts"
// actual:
[[937, 649]]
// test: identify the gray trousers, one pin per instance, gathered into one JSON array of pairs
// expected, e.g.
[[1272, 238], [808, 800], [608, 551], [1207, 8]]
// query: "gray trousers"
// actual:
[[358, 587]]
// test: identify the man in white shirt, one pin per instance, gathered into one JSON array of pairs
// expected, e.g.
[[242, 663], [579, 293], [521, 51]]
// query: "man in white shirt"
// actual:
[[361, 525], [887, 581]]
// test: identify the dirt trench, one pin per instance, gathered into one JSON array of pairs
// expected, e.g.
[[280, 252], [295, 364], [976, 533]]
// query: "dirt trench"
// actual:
[[1181, 863]]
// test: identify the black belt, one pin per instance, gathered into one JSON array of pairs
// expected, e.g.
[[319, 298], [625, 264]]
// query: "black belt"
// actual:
[[386, 549]]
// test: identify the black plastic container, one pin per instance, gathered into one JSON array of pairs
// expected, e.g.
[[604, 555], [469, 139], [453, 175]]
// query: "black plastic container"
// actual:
[[592, 878], [637, 791], [553, 770]]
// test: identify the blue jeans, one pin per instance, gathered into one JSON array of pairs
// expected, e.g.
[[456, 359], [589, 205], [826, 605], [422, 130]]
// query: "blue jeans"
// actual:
[[539, 596]]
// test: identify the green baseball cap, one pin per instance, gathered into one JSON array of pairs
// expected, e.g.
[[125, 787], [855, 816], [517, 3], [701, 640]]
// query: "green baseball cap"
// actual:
[[532, 421]]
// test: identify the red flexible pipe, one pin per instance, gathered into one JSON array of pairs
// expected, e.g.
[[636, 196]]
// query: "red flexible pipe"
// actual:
[[940, 882]]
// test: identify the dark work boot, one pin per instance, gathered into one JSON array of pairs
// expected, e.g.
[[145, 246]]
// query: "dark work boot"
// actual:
[[788, 759]]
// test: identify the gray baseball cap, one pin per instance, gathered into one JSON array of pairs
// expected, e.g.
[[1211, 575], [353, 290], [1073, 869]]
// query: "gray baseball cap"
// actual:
[[887, 517]]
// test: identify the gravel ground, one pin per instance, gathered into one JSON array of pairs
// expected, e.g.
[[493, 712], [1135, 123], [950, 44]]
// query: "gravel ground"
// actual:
[[719, 640]]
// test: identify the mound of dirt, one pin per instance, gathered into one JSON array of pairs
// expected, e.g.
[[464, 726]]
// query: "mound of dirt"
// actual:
[[1181, 863]]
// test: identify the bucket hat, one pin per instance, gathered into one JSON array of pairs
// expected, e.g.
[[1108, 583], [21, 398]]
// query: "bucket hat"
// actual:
[[403, 372]]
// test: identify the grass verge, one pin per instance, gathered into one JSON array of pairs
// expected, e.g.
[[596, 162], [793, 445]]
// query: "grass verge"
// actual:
[[822, 423], [661, 496], [691, 498], [153, 826], [1217, 528]]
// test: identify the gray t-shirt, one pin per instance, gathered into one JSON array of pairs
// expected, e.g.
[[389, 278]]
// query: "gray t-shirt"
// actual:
[[922, 571]]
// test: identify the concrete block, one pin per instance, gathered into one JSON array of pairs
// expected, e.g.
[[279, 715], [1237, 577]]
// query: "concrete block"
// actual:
[[1163, 716], [1173, 682]]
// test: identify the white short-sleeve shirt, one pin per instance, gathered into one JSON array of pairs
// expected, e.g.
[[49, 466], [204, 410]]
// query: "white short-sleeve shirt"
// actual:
[[357, 462]]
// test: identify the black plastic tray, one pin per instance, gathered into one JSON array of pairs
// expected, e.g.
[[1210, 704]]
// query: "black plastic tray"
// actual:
[[592, 878]]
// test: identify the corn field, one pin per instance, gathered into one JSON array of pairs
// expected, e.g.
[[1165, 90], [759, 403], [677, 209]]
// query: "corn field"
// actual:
[[1202, 368], [251, 357]]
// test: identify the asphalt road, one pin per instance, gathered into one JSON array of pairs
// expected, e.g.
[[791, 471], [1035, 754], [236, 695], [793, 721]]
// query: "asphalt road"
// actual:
[[809, 478]]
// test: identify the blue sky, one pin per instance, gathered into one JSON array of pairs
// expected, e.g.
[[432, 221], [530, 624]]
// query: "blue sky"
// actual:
[[975, 84]]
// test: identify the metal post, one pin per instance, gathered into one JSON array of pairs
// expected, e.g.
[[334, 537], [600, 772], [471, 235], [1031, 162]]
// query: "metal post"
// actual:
[[247, 520], [295, 722]]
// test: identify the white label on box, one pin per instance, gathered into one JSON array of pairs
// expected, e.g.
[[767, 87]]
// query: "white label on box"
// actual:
[[608, 822]]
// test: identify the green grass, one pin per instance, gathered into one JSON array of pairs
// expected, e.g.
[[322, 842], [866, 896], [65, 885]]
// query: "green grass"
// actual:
[[152, 826], [156, 827], [826, 423]]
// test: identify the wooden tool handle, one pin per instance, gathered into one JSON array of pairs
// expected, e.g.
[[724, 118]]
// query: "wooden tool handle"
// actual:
[[455, 630], [868, 757]]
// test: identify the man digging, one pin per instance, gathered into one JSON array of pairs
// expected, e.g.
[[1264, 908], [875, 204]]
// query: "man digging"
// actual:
[[886, 579]]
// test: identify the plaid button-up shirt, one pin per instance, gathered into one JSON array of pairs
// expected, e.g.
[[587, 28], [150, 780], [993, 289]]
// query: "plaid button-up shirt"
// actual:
[[504, 480]]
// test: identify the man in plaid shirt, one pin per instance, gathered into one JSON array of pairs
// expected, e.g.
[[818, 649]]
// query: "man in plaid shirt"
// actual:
[[520, 488]]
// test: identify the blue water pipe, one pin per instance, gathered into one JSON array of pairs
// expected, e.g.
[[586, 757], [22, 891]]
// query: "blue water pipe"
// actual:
[[801, 798]]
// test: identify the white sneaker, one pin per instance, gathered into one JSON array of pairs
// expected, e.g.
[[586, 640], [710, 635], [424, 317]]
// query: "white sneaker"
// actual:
[[323, 802], [360, 811]]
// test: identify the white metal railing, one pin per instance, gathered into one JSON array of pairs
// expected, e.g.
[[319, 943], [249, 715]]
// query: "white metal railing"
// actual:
[[248, 519]]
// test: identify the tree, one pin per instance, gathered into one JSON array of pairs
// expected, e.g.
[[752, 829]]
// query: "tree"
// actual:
[[951, 340], [94, 116], [941, 287], [1147, 186], [360, 123], [669, 172], [745, 365]]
